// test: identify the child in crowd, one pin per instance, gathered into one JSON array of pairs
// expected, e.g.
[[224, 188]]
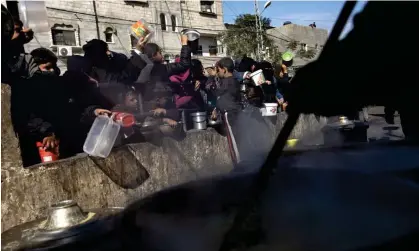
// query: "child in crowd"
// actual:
[[228, 102], [248, 133], [128, 101]]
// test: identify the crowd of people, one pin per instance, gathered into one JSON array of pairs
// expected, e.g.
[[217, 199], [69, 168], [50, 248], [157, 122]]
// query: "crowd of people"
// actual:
[[58, 109]]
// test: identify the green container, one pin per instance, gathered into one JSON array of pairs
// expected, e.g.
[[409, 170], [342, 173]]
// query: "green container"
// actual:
[[287, 56]]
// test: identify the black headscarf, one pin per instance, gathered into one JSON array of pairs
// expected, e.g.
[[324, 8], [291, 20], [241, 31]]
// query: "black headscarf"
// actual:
[[246, 64]]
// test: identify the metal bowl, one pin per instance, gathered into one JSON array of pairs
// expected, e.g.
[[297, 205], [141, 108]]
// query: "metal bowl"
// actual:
[[192, 34]]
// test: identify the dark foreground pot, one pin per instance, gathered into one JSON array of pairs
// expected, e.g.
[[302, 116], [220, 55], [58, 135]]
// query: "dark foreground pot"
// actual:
[[327, 199], [66, 223]]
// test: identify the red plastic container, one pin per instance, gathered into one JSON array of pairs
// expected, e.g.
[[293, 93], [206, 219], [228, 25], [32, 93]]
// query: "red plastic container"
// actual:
[[47, 155], [124, 119]]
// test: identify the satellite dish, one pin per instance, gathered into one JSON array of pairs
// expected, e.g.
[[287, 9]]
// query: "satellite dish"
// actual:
[[63, 51]]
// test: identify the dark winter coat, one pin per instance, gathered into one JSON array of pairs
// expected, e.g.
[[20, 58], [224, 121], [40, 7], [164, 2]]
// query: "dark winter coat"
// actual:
[[63, 105]]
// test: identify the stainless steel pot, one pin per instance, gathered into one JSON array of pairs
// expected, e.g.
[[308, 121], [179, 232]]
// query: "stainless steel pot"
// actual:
[[191, 33], [199, 120]]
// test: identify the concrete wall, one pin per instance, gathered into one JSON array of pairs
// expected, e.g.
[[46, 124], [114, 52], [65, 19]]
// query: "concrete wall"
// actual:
[[314, 38], [205, 24], [206, 42], [299, 33]]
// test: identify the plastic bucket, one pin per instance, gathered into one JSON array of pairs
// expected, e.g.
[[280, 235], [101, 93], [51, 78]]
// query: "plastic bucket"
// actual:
[[258, 77], [287, 58], [47, 155], [292, 142], [271, 109]]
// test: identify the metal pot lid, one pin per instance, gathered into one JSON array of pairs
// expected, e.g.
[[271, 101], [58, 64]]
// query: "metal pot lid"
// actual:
[[65, 220], [149, 124], [198, 114]]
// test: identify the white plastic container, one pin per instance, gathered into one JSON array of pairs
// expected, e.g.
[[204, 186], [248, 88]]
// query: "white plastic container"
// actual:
[[101, 137], [270, 109], [258, 77], [263, 111]]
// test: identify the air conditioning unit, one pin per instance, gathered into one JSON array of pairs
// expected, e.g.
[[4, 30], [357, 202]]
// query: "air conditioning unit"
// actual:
[[65, 51]]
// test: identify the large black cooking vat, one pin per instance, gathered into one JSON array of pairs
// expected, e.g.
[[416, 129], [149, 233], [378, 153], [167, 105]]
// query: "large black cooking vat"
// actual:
[[354, 197]]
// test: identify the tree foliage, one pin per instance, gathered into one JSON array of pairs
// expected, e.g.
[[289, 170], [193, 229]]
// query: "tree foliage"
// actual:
[[241, 38], [292, 45], [275, 56]]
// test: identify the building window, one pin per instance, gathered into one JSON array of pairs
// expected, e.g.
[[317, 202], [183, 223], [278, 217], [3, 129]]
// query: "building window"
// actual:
[[199, 51], [221, 49], [109, 35], [174, 23], [163, 21], [212, 50], [63, 36], [207, 6]]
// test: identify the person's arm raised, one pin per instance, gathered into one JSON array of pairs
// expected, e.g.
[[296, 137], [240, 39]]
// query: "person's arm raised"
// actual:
[[185, 59]]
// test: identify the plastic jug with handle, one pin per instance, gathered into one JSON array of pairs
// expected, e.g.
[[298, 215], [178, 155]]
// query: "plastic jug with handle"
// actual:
[[102, 136]]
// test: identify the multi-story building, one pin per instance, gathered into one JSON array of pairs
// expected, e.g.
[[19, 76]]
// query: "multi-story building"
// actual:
[[70, 24]]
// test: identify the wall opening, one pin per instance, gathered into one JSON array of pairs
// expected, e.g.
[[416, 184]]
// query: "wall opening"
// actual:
[[163, 21], [109, 35], [174, 23]]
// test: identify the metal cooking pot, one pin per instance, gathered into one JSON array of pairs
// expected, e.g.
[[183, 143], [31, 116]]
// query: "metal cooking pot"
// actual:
[[199, 120], [191, 33], [66, 222], [148, 125]]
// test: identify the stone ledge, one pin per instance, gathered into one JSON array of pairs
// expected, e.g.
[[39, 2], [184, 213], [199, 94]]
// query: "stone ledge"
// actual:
[[129, 173]]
